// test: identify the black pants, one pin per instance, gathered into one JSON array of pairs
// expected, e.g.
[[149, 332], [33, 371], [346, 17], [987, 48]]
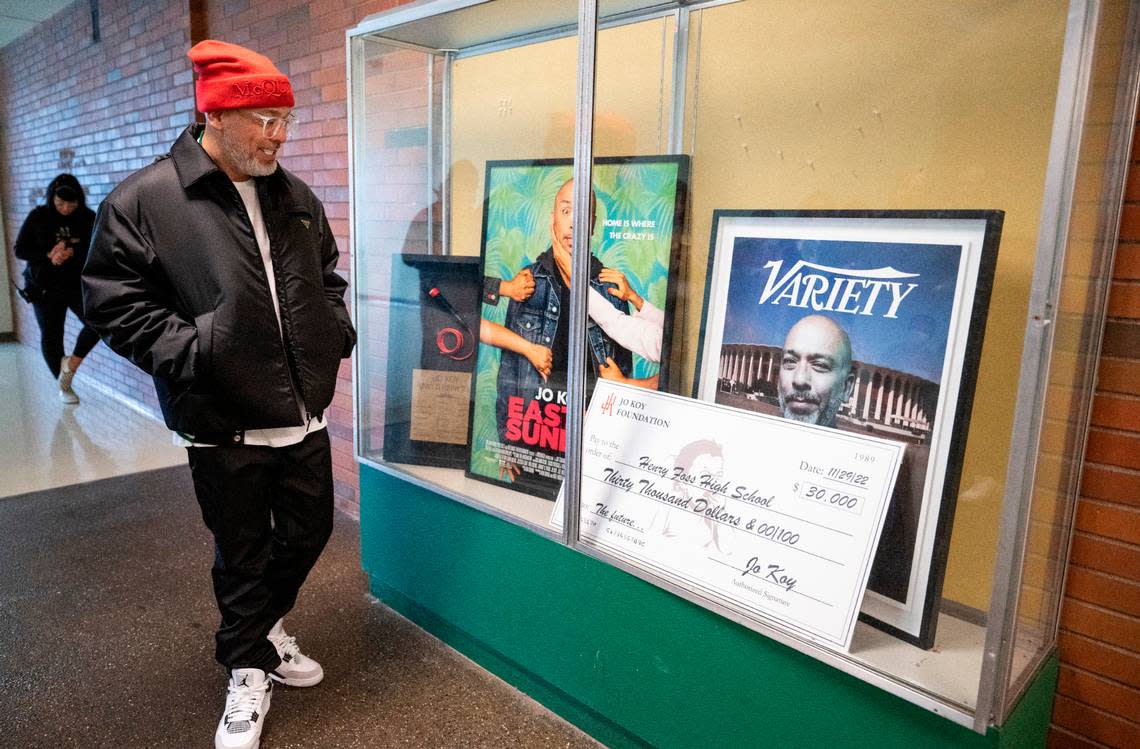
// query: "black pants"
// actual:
[[51, 314], [271, 511]]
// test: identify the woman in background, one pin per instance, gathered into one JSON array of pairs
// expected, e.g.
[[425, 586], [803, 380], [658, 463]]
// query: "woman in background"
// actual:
[[53, 241]]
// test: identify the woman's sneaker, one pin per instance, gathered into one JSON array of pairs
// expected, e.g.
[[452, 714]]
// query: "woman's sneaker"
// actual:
[[247, 702], [296, 669], [66, 375]]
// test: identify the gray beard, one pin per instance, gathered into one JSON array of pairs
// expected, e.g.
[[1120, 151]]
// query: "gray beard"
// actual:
[[247, 164], [825, 416]]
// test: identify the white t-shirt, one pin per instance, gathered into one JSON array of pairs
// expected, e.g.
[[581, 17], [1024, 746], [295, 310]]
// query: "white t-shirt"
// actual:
[[278, 436]]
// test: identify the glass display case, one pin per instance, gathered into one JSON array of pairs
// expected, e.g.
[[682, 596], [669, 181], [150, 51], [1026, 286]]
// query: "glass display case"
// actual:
[[819, 236]]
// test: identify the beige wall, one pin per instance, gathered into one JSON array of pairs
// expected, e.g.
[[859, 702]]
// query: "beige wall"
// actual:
[[500, 115]]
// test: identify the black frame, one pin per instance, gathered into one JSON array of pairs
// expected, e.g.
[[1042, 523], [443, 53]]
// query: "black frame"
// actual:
[[548, 489], [458, 279], [987, 262]]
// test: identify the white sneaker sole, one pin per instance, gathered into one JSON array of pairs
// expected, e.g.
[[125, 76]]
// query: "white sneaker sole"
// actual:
[[296, 681]]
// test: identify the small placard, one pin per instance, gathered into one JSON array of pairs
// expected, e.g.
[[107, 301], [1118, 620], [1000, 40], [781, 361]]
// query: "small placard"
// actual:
[[771, 517], [440, 406]]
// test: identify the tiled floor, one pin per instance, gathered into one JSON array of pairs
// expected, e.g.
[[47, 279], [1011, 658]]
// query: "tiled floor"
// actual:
[[48, 444]]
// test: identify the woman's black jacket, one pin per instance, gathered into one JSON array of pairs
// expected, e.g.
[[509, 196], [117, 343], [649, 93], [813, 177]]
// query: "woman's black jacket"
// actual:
[[43, 229], [175, 283]]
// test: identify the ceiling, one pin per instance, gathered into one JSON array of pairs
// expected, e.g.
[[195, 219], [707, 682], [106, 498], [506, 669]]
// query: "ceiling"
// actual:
[[18, 17]]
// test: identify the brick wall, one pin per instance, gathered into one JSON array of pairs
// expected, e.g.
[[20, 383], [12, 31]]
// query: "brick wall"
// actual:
[[103, 110], [98, 110], [1098, 694]]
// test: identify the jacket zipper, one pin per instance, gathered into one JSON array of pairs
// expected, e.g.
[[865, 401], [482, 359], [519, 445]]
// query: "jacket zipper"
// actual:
[[291, 355], [288, 348]]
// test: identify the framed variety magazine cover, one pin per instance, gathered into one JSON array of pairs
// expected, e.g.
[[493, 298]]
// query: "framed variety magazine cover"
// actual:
[[869, 322], [518, 392]]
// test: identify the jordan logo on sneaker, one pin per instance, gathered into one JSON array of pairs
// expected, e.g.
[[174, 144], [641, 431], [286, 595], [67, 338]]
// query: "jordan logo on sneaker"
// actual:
[[243, 681]]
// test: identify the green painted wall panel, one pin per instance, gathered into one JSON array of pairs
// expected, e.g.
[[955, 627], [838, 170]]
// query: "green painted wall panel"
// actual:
[[612, 653], [1028, 726]]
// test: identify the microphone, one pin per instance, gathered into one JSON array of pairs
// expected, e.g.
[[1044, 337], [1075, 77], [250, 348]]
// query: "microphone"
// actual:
[[434, 292], [450, 350]]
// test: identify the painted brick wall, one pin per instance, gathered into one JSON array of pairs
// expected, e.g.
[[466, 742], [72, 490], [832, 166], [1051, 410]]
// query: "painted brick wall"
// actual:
[[1098, 692], [103, 110], [98, 110]]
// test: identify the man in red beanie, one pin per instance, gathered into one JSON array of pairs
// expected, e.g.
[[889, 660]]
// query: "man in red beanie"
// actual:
[[214, 270]]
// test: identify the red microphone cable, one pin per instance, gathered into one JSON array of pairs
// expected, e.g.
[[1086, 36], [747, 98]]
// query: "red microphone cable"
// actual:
[[451, 341]]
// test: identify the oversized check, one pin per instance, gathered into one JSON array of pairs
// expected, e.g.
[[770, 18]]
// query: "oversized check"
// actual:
[[764, 515]]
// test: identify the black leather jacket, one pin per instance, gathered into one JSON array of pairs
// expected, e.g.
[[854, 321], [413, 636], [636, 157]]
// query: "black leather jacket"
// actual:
[[174, 282]]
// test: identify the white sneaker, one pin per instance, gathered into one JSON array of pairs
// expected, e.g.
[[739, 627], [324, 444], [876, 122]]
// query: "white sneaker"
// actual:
[[296, 669], [247, 702], [66, 375]]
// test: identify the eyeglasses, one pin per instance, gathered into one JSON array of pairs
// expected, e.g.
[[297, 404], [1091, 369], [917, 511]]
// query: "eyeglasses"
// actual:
[[272, 126]]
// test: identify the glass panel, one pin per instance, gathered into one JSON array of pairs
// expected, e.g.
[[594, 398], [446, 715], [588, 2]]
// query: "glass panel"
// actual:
[[510, 190], [502, 123], [638, 195], [441, 261], [1085, 275], [862, 107], [391, 200]]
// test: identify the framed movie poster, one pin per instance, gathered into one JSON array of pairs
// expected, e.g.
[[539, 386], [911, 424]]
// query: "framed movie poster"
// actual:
[[868, 322], [518, 402], [435, 318]]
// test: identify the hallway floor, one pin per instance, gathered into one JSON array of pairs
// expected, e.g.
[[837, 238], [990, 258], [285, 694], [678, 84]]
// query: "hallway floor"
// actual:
[[107, 614], [48, 444]]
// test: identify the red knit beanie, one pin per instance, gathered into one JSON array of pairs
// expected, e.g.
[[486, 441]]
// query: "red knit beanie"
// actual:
[[233, 77]]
